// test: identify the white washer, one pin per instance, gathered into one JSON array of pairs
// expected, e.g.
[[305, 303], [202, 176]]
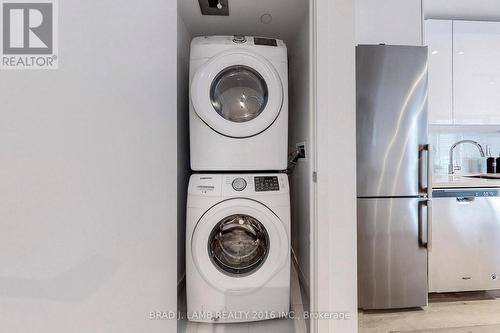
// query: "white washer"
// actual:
[[238, 247], [239, 103]]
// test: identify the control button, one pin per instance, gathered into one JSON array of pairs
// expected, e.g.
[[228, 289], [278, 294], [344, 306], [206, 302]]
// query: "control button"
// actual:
[[239, 184], [239, 39]]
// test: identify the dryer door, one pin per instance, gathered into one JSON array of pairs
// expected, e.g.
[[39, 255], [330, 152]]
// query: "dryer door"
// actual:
[[237, 93], [239, 245]]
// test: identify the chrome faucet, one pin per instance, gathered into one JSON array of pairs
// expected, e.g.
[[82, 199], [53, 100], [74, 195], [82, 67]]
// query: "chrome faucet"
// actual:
[[451, 165]]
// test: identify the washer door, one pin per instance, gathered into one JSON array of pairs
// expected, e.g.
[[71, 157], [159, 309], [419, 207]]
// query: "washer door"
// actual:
[[237, 93], [239, 245]]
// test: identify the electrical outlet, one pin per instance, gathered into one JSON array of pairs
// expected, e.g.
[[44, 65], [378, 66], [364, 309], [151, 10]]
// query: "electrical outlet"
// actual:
[[301, 148]]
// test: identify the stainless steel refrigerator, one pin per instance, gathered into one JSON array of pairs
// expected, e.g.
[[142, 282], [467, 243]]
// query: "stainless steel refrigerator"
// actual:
[[393, 176]]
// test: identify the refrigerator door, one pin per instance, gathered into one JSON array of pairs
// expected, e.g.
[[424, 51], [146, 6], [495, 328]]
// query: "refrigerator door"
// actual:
[[392, 253], [391, 120]]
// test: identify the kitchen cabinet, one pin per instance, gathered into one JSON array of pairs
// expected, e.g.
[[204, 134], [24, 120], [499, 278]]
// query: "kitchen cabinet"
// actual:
[[465, 238], [438, 36], [476, 72], [393, 22]]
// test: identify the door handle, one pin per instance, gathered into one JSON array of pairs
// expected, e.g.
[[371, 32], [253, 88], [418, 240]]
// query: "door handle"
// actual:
[[429, 225], [427, 188], [427, 148], [425, 229]]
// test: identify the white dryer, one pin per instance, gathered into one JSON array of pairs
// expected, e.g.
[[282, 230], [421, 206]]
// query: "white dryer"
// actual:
[[238, 247], [239, 103]]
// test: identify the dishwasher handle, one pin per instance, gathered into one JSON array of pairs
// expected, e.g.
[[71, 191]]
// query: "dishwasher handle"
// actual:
[[465, 199]]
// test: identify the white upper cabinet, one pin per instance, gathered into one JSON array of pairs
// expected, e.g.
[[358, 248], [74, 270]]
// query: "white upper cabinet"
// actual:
[[438, 37], [476, 62], [396, 22]]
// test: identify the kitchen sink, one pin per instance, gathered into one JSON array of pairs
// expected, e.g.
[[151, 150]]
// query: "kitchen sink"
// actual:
[[485, 176]]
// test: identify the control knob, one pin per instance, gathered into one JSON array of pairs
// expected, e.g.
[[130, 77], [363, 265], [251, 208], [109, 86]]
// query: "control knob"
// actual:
[[239, 184]]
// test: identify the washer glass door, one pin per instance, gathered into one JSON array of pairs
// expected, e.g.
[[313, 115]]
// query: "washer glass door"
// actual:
[[239, 245]]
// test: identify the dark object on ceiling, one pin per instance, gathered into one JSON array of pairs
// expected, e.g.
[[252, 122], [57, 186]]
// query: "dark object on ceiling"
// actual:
[[214, 7]]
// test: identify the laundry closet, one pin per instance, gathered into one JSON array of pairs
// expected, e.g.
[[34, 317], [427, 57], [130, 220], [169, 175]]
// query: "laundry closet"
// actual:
[[267, 166]]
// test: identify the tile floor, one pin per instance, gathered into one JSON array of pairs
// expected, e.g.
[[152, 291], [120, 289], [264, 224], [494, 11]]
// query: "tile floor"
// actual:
[[476, 312], [267, 326]]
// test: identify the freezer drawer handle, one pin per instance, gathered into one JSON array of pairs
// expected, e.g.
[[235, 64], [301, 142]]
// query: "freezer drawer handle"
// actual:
[[425, 229], [427, 188], [429, 224]]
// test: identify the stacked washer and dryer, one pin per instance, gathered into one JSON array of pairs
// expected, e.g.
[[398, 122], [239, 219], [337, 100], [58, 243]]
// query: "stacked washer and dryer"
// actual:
[[238, 207]]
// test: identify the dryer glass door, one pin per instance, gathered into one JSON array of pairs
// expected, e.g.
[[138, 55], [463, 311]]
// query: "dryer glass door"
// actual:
[[239, 245], [239, 93]]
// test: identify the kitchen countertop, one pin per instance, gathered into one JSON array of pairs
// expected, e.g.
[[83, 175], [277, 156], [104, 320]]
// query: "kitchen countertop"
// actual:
[[459, 181]]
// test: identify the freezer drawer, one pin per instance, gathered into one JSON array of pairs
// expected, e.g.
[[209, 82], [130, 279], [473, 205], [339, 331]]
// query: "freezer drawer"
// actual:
[[392, 253], [466, 242]]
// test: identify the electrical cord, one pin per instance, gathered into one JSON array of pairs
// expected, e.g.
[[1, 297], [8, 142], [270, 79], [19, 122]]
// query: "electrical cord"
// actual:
[[293, 158]]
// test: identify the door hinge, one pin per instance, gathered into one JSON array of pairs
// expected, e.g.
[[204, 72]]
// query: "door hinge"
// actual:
[[315, 177]]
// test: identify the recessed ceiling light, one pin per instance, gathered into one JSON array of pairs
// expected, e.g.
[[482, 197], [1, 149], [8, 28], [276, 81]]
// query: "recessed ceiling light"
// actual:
[[266, 18], [435, 52]]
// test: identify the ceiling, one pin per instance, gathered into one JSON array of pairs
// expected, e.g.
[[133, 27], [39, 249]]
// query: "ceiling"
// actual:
[[463, 9], [244, 18]]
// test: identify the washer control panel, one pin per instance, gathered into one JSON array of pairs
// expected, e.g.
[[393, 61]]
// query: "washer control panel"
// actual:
[[239, 184], [266, 183], [254, 184]]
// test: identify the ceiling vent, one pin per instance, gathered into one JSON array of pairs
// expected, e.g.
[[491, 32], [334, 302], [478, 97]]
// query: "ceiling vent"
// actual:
[[214, 7]]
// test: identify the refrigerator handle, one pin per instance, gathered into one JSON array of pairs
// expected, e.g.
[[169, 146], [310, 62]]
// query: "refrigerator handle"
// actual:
[[427, 188], [429, 224], [427, 148], [423, 227]]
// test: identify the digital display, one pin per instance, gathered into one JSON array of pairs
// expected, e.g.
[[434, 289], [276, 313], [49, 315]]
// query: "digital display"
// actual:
[[265, 41], [266, 183]]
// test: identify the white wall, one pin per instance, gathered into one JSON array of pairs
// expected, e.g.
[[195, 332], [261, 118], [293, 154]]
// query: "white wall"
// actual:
[[335, 233], [89, 175], [396, 22], [300, 130]]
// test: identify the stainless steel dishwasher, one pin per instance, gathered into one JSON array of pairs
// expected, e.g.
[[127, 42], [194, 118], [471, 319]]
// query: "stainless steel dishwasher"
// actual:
[[465, 254]]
